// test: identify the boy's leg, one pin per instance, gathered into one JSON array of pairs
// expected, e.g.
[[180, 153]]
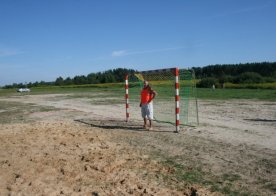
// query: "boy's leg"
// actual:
[[144, 115], [150, 116], [145, 122], [150, 123]]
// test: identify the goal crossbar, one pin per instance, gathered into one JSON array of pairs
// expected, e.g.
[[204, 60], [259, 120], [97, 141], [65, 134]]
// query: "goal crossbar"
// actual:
[[168, 82]]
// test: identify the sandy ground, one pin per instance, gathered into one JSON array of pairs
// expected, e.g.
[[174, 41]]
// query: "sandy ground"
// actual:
[[85, 148]]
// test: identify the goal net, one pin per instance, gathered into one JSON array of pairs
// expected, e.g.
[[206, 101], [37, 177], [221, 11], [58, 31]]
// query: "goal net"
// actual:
[[175, 102]]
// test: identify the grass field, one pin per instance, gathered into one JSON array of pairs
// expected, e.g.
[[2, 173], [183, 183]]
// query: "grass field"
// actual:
[[117, 90], [223, 94]]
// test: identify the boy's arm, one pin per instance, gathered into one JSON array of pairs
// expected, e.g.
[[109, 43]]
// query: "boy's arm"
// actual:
[[153, 94]]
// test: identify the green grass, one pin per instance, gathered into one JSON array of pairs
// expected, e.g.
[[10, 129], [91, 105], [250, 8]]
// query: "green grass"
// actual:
[[117, 90], [224, 94], [223, 184], [220, 94], [270, 85]]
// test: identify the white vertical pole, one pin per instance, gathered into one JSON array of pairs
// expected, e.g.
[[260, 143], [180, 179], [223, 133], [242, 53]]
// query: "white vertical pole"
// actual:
[[127, 98], [177, 99]]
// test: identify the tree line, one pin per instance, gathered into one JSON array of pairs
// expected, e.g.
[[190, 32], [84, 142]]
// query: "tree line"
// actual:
[[109, 76], [264, 72], [208, 75]]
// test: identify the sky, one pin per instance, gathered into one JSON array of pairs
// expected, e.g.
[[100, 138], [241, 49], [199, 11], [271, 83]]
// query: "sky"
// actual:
[[41, 40]]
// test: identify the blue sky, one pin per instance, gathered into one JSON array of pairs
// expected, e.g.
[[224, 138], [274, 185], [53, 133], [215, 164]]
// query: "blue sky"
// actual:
[[41, 40]]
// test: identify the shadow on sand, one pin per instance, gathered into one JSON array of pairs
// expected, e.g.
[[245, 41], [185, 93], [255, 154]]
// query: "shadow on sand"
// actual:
[[259, 120], [117, 124]]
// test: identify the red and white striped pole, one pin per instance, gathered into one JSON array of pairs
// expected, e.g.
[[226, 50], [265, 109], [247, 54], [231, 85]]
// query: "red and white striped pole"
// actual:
[[177, 99], [127, 98]]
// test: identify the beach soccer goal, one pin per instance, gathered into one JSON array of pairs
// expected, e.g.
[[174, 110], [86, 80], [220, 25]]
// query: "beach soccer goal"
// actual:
[[175, 102]]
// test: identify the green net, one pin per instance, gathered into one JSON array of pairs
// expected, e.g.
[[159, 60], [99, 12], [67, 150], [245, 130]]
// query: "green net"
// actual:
[[188, 98], [163, 82]]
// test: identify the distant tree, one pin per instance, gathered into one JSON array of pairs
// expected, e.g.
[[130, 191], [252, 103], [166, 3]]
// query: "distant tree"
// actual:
[[59, 81], [21, 85], [68, 81], [265, 69], [92, 78], [109, 77], [238, 73], [120, 73], [80, 80]]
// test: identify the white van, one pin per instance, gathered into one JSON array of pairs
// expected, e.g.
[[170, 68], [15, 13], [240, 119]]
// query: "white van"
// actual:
[[23, 90]]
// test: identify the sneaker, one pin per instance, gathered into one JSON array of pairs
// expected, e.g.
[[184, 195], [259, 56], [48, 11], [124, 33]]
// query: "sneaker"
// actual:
[[150, 129]]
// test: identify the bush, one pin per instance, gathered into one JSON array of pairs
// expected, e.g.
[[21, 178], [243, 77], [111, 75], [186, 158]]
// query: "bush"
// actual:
[[270, 79], [207, 82], [248, 77]]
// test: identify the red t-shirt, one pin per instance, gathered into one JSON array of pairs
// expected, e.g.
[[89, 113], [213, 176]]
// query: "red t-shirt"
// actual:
[[146, 95]]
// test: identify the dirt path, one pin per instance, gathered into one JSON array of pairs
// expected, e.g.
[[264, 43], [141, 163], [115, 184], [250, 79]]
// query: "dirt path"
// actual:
[[65, 158], [83, 148]]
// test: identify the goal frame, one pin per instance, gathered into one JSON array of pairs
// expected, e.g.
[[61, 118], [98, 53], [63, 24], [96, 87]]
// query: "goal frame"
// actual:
[[175, 72]]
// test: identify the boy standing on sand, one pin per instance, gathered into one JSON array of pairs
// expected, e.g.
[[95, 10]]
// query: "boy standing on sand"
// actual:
[[147, 95]]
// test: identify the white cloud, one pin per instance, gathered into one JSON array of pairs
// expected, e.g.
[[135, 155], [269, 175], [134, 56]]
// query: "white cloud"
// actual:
[[119, 53]]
